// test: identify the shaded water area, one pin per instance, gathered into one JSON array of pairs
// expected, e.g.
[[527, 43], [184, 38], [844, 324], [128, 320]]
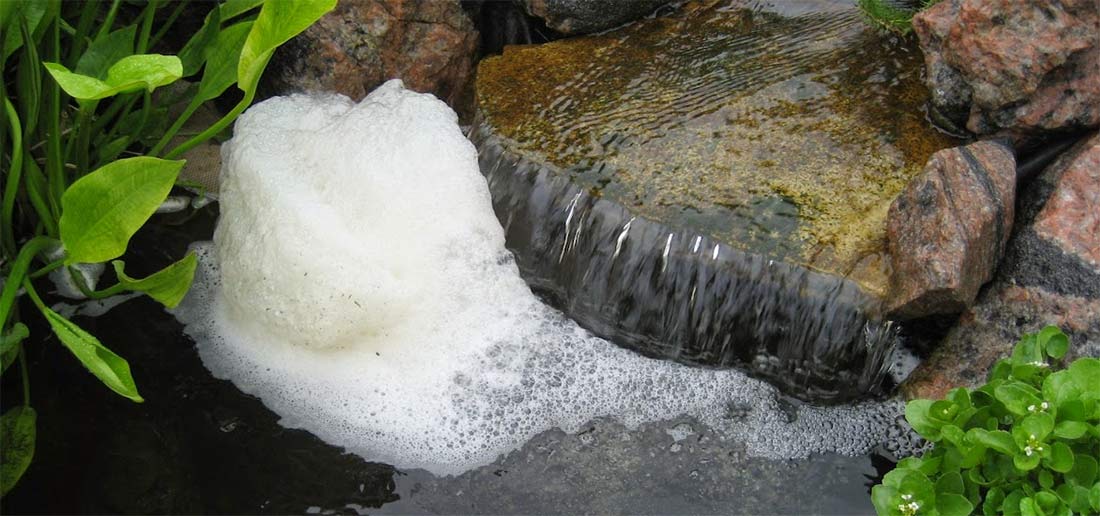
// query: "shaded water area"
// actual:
[[199, 445], [711, 186]]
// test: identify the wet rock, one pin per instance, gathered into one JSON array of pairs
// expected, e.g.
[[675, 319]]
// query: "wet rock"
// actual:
[[1019, 66], [712, 186], [1050, 275], [584, 16], [429, 44], [948, 229]]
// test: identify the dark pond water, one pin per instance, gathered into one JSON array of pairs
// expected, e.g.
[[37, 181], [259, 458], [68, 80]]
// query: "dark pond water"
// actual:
[[198, 445]]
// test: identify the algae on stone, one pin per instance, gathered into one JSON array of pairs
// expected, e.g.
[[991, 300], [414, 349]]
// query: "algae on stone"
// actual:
[[786, 136]]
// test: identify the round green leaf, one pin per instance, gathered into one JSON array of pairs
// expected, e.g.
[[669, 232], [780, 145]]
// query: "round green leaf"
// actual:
[[1046, 479], [1017, 397], [102, 210], [950, 483], [1061, 458], [1070, 429], [1085, 372], [1024, 462], [916, 413], [953, 505], [1084, 470]]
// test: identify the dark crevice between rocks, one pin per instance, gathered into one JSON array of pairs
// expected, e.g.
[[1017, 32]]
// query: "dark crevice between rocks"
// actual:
[[506, 23]]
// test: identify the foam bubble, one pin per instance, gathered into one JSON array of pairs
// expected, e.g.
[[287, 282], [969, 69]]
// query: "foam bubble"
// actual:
[[359, 286]]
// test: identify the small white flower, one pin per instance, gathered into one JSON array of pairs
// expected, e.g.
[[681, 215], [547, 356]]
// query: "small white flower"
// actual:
[[907, 497], [1031, 408], [1028, 451], [1044, 405]]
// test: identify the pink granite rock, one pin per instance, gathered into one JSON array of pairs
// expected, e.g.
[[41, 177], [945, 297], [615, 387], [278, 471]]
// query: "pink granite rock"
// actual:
[[1050, 275], [430, 44], [1015, 66], [947, 230]]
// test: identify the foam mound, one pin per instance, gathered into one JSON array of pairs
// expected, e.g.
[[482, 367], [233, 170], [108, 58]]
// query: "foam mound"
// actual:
[[359, 285]]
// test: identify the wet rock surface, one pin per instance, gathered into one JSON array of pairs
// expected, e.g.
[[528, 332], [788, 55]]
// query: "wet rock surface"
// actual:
[[430, 44], [1050, 275], [673, 467], [709, 186], [948, 229], [585, 16], [1018, 66]]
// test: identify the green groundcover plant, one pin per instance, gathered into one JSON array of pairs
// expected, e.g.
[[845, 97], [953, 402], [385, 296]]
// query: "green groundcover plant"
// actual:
[[87, 154], [1024, 443], [891, 15]]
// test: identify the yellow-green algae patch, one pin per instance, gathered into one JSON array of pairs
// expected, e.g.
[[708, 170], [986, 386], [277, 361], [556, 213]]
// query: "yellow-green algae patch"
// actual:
[[787, 136]]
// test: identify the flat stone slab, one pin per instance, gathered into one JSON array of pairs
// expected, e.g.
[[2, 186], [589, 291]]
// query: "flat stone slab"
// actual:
[[785, 136], [712, 186]]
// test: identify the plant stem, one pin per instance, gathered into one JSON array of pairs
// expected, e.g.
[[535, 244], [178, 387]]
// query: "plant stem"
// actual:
[[48, 268], [109, 21], [146, 26], [18, 273], [11, 186], [167, 24], [214, 129]]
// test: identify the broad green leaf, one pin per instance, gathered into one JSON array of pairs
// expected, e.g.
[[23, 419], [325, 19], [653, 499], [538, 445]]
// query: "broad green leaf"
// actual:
[[1012, 501], [1027, 350], [193, 53], [999, 440], [33, 11], [1046, 479], [1094, 497], [1059, 388], [1084, 470], [1070, 429], [14, 336], [277, 23], [1018, 397], [16, 445], [1029, 507], [1026, 462], [221, 61], [943, 411], [1053, 342], [102, 210], [1061, 458], [1036, 426], [1001, 370], [884, 498], [1048, 502], [993, 500], [131, 73], [110, 368], [167, 286], [916, 413], [106, 51], [1086, 374], [953, 505], [233, 8], [9, 344], [950, 483]]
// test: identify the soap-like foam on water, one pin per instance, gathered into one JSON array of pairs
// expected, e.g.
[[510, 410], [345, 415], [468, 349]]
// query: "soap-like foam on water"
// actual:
[[359, 285]]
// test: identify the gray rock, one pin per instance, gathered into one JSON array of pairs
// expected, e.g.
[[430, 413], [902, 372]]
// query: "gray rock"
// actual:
[[584, 16]]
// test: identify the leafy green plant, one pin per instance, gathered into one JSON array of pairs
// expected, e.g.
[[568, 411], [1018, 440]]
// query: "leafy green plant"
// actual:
[[1025, 443], [890, 16], [88, 157]]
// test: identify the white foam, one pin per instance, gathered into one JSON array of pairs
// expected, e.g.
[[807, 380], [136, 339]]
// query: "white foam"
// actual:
[[362, 290]]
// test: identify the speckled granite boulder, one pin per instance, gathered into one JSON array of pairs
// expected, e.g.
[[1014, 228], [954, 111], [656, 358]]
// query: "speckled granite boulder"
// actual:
[[1020, 66], [947, 230], [1050, 275], [429, 44], [584, 16]]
